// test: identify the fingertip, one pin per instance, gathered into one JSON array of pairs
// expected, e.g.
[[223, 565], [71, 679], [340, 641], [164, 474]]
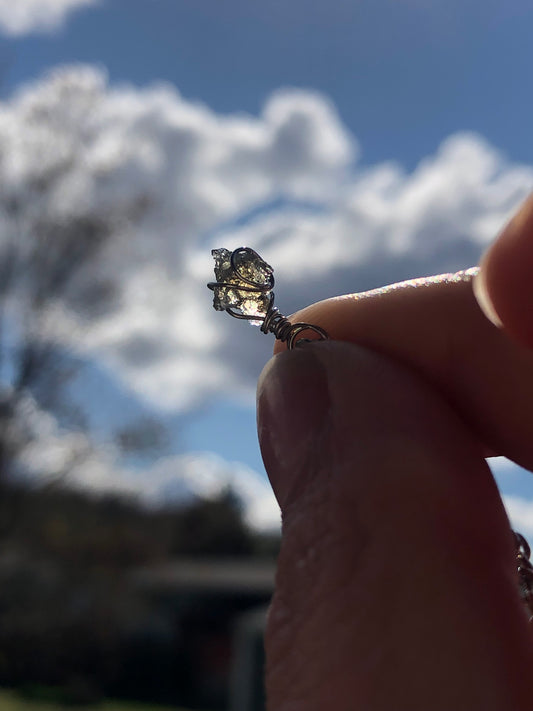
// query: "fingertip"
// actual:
[[504, 285], [479, 285]]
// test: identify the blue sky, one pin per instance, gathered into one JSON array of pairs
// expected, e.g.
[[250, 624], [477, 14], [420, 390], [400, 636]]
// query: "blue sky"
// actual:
[[400, 77], [402, 73]]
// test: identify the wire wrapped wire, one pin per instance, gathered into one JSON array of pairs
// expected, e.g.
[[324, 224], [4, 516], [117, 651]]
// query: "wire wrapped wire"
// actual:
[[238, 281]]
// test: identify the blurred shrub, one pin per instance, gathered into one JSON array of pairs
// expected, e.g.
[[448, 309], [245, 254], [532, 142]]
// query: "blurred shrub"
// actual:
[[212, 528], [70, 617]]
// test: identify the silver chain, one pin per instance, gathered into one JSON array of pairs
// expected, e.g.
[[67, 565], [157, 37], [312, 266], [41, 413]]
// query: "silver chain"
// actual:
[[525, 571]]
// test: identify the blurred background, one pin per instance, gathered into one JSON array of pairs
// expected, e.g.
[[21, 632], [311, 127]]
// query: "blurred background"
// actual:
[[353, 143]]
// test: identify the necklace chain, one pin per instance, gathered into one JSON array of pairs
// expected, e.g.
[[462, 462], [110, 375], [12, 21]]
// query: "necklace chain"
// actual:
[[525, 571]]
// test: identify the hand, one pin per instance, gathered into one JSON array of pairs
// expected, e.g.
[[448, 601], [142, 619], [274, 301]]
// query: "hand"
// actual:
[[397, 586]]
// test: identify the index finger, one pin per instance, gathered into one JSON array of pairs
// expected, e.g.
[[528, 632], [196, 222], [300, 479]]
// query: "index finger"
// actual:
[[503, 285], [435, 326]]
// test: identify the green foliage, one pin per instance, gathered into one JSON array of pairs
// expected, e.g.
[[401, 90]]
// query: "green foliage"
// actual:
[[14, 701], [213, 527]]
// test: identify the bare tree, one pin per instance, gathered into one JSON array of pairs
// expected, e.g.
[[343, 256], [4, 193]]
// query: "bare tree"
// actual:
[[48, 262]]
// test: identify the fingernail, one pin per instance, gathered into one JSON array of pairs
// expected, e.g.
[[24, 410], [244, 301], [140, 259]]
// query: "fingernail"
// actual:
[[292, 404], [506, 247], [483, 299]]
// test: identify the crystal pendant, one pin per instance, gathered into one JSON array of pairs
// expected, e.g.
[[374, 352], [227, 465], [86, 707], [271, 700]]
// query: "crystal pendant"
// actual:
[[244, 288], [244, 284]]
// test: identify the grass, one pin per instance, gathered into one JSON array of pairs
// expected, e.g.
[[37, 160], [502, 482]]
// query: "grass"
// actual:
[[11, 701]]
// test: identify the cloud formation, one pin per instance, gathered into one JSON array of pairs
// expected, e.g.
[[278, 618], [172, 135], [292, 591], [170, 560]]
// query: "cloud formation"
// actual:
[[165, 173], [520, 512], [36, 16], [174, 179], [171, 179], [54, 453]]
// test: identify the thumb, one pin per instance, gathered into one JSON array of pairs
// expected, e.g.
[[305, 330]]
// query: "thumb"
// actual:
[[396, 575]]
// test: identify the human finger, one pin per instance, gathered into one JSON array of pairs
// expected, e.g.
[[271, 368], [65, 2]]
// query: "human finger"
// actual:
[[436, 327], [504, 285], [396, 576]]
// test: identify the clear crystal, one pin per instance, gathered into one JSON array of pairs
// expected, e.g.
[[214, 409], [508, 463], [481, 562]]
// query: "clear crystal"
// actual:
[[253, 268], [250, 270]]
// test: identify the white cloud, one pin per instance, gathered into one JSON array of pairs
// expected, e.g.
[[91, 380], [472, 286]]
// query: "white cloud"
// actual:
[[175, 478], [21, 17], [73, 147], [459, 197], [207, 476], [174, 178], [520, 512]]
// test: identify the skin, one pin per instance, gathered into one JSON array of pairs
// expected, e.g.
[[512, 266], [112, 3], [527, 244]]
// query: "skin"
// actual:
[[396, 586]]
